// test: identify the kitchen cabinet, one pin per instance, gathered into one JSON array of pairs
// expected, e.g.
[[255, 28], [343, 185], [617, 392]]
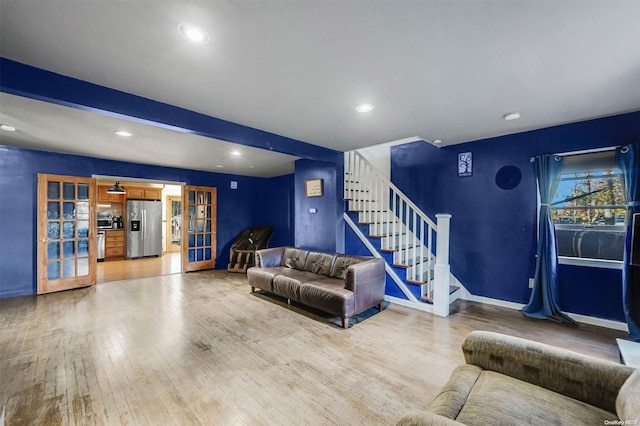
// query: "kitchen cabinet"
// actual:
[[105, 197], [114, 248], [144, 193]]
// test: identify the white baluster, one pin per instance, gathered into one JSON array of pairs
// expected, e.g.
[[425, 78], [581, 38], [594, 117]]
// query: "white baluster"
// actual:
[[415, 244]]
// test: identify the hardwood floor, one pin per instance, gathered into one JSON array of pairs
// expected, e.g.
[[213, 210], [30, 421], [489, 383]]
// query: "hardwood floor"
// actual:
[[118, 270], [198, 348]]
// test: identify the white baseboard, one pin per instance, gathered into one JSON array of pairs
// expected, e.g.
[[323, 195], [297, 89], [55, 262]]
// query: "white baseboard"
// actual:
[[583, 319], [600, 322]]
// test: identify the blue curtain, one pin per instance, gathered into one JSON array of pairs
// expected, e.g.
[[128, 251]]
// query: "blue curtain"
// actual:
[[543, 303], [628, 159]]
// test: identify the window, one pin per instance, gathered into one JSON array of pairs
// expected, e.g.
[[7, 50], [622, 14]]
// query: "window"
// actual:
[[589, 208]]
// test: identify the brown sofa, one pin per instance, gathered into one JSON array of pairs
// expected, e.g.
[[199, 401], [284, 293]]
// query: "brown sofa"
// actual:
[[339, 284], [513, 381]]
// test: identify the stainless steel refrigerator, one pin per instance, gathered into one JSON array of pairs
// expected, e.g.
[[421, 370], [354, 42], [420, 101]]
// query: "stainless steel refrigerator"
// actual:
[[144, 228]]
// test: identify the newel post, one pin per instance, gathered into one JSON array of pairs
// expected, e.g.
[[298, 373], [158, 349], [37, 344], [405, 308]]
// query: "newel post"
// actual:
[[442, 271]]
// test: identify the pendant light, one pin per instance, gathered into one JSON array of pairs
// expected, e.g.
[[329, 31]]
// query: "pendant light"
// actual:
[[116, 189]]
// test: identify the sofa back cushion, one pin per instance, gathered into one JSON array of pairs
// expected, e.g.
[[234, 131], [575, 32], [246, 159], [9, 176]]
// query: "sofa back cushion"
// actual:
[[294, 258], [319, 263], [342, 262]]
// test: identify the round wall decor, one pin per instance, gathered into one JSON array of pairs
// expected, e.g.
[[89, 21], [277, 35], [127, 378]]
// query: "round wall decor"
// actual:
[[508, 177]]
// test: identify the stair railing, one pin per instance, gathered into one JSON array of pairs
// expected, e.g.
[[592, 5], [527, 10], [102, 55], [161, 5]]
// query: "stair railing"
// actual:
[[402, 226]]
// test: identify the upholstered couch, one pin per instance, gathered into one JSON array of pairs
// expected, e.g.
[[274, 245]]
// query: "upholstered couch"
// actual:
[[511, 381], [339, 284]]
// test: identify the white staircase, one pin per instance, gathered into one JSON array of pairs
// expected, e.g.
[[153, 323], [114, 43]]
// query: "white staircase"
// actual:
[[392, 227]]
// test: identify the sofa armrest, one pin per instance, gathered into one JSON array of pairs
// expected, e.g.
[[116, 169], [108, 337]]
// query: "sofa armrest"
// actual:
[[367, 281], [426, 418], [588, 379], [269, 258]]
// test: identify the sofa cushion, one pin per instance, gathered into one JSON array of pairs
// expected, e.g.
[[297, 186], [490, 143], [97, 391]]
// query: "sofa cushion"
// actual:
[[319, 263], [497, 399], [329, 295], [341, 263], [592, 380], [287, 284], [628, 401], [294, 258], [263, 277]]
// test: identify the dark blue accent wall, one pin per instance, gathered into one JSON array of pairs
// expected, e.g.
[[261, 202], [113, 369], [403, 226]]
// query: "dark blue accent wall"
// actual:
[[245, 206], [493, 231], [323, 230], [273, 204]]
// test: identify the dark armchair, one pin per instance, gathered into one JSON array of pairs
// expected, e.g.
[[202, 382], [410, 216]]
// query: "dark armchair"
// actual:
[[242, 254]]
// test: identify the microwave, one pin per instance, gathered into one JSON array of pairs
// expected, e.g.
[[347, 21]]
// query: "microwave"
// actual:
[[105, 221]]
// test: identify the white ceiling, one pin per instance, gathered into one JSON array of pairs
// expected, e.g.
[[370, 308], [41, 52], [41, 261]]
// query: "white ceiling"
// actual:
[[49, 127], [442, 70]]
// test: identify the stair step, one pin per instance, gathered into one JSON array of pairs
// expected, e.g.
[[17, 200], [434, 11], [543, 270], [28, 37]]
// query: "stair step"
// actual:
[[427, 299], [412, 262], [384, 236]]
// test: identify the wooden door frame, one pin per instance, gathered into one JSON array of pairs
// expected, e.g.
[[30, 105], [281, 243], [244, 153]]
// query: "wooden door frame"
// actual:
[[42, 234], [168, 200]]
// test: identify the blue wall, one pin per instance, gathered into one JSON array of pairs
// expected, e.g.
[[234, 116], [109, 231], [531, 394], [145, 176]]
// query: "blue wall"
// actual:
[[273, 204], [323, 230], [493, 230], [237, 209]]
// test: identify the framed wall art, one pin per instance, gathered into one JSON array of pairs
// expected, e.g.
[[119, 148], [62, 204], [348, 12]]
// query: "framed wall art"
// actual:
[[465, 164], [313, 188]]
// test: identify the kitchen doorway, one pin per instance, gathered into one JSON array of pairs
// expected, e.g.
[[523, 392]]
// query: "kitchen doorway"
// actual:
[[125, 263]]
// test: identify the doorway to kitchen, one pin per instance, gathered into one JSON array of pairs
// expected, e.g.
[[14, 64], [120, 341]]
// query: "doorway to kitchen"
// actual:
[[144, 212]]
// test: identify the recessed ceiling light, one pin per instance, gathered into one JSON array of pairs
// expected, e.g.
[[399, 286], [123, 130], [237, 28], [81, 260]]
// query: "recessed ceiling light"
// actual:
[[511, 116], [7, 128], [437, 141], [236, 153], [364, 107], [193, 33], [219, 166], [123, 133]]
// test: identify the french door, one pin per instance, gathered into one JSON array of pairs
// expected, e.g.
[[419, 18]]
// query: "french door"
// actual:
[[198, 228], [66, 232]]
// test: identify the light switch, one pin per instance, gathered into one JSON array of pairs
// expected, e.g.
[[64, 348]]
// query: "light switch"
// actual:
[[313, 211], [234, 184]]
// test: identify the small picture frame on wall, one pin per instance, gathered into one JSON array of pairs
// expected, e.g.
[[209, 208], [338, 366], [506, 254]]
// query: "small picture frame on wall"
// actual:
[[465, 164], [313, 188]]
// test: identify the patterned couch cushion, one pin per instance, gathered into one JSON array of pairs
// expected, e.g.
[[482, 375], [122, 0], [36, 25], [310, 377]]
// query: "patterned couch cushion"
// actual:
[[498, 399]]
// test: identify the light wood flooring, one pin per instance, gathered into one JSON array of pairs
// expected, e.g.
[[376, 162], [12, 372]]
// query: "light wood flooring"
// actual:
[[198, 348], [118, 270]]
